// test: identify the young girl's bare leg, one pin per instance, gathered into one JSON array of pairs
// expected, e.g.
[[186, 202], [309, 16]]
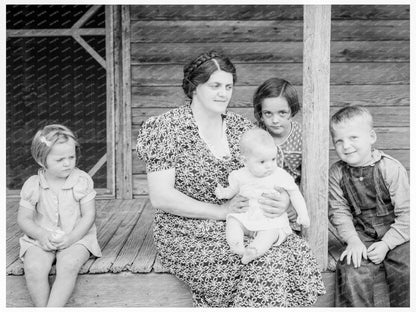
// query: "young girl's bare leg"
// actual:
[[37, 264], [260, 244], [235, 236], [68, 263]]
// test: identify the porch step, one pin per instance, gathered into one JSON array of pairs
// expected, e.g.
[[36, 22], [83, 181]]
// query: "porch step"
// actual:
[[112, 290], [128, 289]]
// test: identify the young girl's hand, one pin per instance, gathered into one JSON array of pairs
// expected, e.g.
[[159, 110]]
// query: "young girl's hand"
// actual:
[[62, 242], [45, 240], [377, 252]]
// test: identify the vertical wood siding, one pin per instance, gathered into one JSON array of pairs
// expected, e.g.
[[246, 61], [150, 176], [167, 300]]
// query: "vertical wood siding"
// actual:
[[369, 61]]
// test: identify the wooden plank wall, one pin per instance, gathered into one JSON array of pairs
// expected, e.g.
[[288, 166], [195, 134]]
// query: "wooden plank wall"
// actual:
[[369, 60]]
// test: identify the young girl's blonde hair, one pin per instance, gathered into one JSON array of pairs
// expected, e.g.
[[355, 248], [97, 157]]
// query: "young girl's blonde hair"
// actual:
[[46, 138]]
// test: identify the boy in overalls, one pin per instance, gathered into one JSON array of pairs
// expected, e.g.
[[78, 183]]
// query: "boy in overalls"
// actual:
[[369, 206]]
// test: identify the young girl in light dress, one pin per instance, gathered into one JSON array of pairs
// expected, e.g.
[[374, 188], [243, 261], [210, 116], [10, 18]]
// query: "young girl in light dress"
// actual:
[[260, 174], [56, 214]]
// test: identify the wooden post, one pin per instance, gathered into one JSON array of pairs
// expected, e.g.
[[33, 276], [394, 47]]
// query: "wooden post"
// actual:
[[124, 188], [315, 113]]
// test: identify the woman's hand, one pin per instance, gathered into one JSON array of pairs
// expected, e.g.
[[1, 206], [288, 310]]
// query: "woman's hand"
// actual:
[[237, 204], [276, 203]]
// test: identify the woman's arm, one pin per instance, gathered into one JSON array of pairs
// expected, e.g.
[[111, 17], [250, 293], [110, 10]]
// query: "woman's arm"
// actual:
[[25, 220], [86, 221], [164, 196]]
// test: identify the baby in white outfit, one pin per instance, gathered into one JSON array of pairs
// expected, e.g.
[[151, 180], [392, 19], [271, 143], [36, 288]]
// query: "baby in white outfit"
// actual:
[[259, 175]]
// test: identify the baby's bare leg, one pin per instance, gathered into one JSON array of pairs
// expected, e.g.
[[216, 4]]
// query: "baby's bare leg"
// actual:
[[235, 236], [37, 264], [260, 244], [68, 263]]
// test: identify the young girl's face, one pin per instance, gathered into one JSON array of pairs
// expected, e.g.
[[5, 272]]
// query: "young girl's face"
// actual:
[[61, 159], [276, 115]]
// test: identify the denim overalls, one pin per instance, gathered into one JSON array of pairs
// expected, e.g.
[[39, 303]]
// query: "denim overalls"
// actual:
[[373, 213]]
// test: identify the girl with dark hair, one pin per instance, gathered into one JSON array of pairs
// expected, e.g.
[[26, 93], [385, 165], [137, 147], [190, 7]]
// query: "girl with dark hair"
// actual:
[[275, 104]]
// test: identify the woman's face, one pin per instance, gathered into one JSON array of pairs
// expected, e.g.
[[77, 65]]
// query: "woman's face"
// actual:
[[215, 94], [276, 115]]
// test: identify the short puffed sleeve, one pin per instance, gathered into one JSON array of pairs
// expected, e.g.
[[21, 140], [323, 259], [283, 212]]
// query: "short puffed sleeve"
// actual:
[[84, 188], [156, 142], [29, 195]]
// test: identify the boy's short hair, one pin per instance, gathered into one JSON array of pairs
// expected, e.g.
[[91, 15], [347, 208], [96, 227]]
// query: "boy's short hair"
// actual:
[[46, 138], [255, 139], [351, 112]]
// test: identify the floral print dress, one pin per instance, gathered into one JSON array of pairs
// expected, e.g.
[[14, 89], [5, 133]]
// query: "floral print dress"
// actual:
[[196, 250]]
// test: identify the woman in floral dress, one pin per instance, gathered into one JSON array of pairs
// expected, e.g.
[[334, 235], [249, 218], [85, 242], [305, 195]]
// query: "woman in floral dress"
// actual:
[[188, 151]]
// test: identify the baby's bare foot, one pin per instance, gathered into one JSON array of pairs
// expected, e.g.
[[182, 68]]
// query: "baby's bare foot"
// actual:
[[237, 248], [250, 253]]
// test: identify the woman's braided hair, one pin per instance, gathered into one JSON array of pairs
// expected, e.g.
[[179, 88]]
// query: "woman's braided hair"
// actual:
[[200, 69]]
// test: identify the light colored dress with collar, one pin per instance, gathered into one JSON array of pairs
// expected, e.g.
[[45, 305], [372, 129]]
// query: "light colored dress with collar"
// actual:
[[62, 212]]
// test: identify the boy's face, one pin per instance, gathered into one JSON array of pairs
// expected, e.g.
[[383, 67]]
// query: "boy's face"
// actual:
[[353, 140], [261, 162]]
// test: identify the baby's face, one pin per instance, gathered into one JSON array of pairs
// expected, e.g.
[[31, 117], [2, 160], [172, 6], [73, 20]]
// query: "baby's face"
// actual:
[[261, 162]]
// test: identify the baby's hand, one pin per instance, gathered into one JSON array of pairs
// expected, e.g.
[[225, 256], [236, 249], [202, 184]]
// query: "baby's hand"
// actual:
[[220, 192], [377, 252], [303, 220]]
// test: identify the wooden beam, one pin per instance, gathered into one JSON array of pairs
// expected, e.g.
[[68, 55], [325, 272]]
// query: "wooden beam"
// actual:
[[315, 111], [90, 50], [86, 16], [124, 188], [110, 71], [55, 32]]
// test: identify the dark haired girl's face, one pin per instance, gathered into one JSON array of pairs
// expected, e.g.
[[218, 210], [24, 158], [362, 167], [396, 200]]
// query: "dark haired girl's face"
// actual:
[[275, 114], [215, 94]]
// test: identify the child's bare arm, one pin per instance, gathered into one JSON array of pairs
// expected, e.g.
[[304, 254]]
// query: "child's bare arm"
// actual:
[[82, 228], [230, 191], [299, 204], [25, 220]]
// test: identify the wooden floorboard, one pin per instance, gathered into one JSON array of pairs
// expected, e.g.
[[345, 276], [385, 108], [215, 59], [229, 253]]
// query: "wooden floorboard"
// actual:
[[117, 240], [134, 242]]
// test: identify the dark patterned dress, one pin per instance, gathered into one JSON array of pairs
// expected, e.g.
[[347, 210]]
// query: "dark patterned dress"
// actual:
[[290, 152], [196, 250]]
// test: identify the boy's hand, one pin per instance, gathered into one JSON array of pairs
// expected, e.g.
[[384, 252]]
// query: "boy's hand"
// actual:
[[355, 251], [377, 252]]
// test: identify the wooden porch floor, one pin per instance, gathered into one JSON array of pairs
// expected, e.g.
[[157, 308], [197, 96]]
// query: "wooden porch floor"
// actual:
[[125, 236], [124, 230]]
